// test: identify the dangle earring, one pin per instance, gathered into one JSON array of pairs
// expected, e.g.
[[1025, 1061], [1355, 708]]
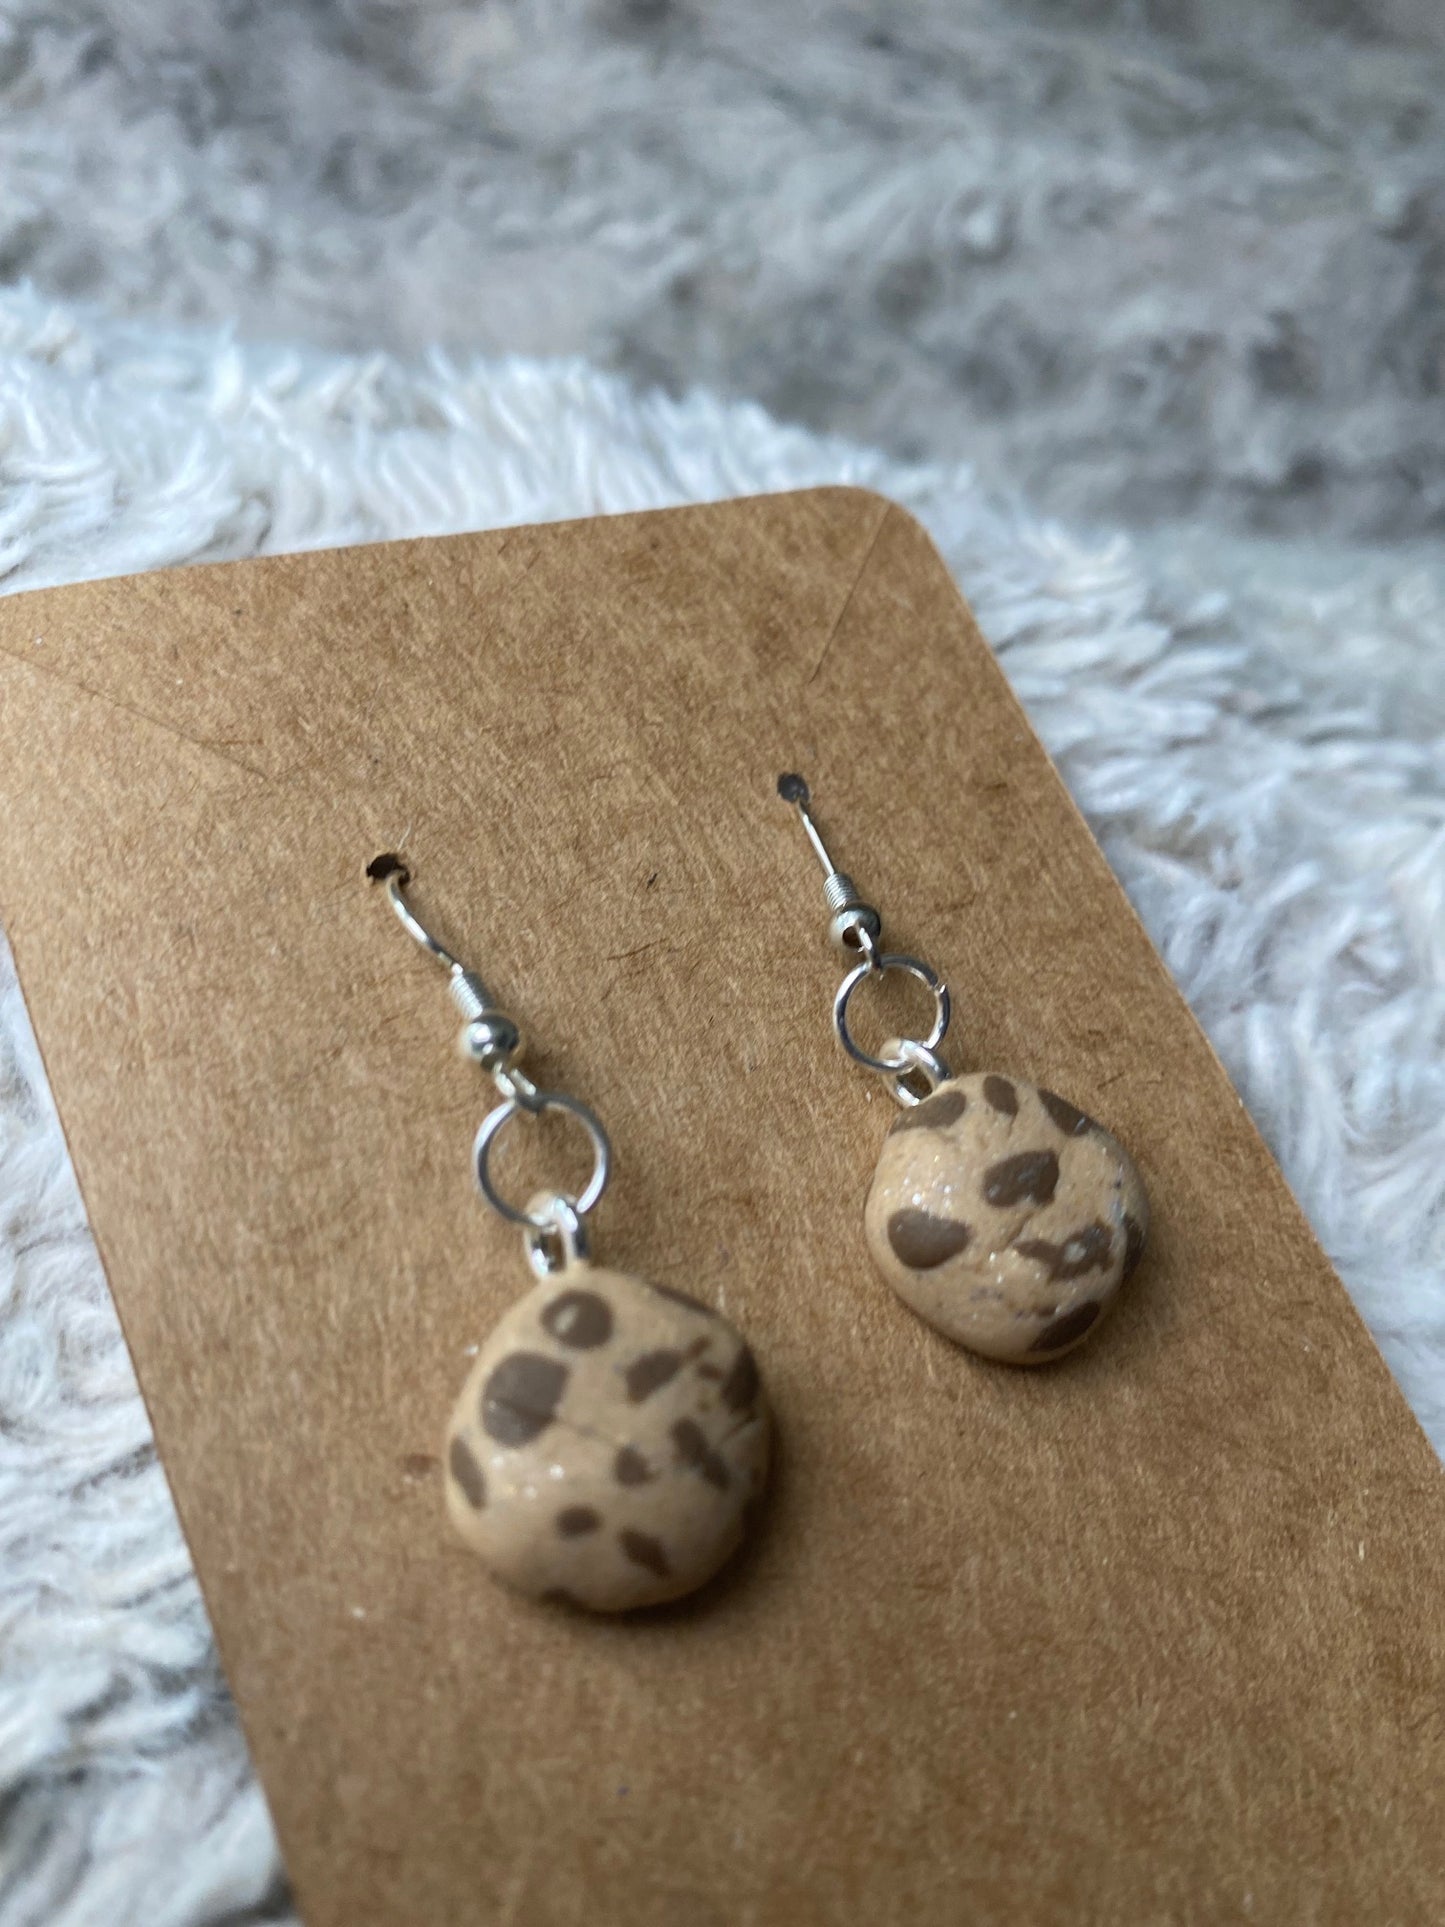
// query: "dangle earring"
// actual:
[[612, 1438], [999, 1212]]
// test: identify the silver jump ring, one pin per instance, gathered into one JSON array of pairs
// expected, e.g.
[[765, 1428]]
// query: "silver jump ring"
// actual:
[[564, 1240], [496, 1119], [865, 943], [918, 1061], [915, 967]]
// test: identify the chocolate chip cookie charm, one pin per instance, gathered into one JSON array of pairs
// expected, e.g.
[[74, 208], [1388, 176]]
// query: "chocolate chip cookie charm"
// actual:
[[1000, 1212], [610, 1444]]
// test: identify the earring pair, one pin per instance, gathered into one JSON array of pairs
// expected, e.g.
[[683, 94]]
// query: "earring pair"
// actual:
[[611, 1442]]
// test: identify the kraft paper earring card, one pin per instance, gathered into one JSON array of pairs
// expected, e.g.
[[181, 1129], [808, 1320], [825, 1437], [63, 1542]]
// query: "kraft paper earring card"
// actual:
[[1094, 1641]]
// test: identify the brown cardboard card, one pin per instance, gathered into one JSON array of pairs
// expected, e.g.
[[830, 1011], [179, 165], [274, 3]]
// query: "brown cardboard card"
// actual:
[[1152, 1635]]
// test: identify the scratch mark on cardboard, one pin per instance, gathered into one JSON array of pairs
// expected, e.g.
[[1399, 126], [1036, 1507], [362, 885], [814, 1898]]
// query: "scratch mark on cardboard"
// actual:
[[852, 591], [217, 749]]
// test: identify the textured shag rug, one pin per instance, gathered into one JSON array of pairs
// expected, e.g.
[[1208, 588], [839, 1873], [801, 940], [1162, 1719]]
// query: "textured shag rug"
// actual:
[[1140, 258], [1263, 769]]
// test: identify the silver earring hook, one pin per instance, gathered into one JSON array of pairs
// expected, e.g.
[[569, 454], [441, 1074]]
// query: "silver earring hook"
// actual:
[[393, 875], [856, 925], [857, 928], [490, 1038], [794, 790], [469, 993]]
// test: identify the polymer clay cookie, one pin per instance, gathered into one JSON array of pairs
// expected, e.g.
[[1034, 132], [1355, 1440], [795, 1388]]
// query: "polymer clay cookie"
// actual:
[[1005, 1217], [609, 1444]]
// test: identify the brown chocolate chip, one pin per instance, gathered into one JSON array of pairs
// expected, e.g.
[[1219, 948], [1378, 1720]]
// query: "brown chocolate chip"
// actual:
[[630, 1468], [559, 1596], [740, 1387], [1002, 1095], [695, 1453], [935, 1113], [582, 1319], [1133, 1244], [1063, 1331], [575, 1520], [682, 1298], [921, 1241], [467, 1473], [645, 1374], [1031, 1175], [1069, 1118], [520, 1399], [643, 1550], [1086, 1250]]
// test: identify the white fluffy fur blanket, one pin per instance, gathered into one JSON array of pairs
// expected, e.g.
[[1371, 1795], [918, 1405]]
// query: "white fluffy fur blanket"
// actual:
[[1262, 765]]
